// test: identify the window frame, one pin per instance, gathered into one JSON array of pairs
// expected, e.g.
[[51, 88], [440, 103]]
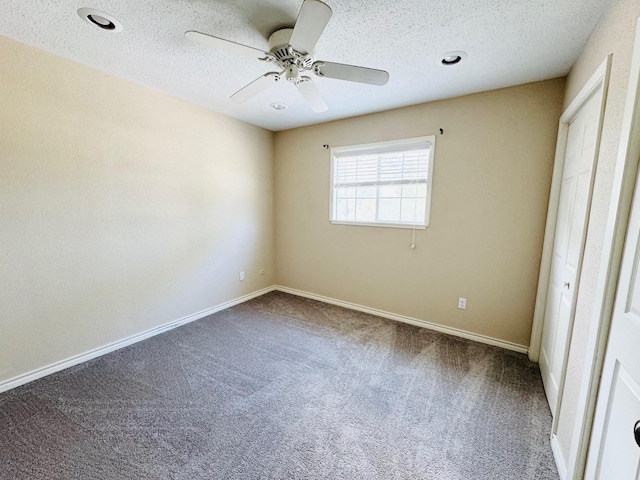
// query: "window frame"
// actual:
[[431, 139]]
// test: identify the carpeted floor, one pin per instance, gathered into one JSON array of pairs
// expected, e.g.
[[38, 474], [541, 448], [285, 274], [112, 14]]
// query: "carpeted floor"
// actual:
[[284, 388]]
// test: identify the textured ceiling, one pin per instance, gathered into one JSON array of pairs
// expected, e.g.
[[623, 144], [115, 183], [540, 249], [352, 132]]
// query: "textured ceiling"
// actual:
[[509, 42]]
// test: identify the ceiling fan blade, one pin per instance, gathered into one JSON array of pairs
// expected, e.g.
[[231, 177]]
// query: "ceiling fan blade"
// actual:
[[351, 73], [312, 20], [254, 88], [223, 44], [312, 95]]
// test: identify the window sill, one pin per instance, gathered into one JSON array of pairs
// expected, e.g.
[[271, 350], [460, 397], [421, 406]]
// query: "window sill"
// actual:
[[417, 226]]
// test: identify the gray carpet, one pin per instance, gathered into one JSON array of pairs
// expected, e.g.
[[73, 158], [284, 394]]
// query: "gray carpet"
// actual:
[[284, 388]]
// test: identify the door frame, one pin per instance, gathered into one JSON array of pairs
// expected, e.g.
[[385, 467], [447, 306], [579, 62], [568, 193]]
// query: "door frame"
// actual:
[[624, 182], [625, 174], [597, 85]]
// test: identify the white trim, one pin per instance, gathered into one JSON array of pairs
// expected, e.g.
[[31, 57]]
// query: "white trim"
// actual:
[[619, 209], [598, 81], [557, 455], [597, 85], [410, 320], [411, 226], [111, 347], [98, 352], [598, 91], [547, 245]]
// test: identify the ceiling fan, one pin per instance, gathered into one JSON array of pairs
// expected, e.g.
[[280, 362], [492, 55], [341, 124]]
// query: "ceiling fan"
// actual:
[[291, 50]]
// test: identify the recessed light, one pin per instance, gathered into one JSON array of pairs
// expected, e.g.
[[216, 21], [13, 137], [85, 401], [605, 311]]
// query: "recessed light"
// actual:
[[452, 58], [279, 106], [99, 19]]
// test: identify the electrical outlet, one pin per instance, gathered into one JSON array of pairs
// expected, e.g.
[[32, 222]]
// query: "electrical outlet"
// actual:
[[462, 303], [242, 276]]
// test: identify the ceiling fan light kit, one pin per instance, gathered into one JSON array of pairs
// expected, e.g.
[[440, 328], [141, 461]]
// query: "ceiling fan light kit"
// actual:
[[291, 50]]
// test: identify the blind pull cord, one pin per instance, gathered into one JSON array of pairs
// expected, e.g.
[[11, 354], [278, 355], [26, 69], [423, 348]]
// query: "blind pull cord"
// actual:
[[415, 208]]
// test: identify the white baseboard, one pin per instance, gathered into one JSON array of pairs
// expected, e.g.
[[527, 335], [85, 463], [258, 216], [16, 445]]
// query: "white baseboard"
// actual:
[[97, 352], [557, 456], [413, 321]]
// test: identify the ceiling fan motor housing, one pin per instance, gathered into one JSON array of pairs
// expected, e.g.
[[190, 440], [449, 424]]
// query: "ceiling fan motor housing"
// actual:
[[280, 39], [285, 56]]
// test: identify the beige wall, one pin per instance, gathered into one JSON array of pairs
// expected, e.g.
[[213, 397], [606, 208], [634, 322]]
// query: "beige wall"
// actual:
[[491, 183], [615, 34], [121, 209]]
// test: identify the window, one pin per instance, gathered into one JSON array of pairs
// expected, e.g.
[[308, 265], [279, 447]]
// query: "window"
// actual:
[[383, 184]]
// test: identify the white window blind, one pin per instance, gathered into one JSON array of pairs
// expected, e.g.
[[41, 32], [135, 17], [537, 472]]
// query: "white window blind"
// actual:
[[383, 184]]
